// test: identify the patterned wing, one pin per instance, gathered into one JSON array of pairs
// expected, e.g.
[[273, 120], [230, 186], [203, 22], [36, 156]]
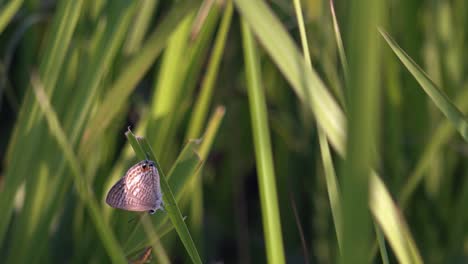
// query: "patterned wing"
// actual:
[[135, 191]]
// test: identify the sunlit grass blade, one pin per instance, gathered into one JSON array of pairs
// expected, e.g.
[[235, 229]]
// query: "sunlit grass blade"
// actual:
[[440, 99], [170, 204], [263, 151], [206, 94], [8, 11], [83, 189], [389, 218], [283, 51], [305, 81], [200, 111], [117, 96]]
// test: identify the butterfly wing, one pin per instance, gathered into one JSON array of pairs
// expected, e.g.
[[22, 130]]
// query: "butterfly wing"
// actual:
[[135, 191]]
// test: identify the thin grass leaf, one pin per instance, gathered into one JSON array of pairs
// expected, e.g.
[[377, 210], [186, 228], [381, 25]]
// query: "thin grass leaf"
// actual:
[[288, 59], [160, 253], [117, 96], [199, 114], [83, 189], [382, 247], [170, 204], [327, 161], [206, 94], [29, 117], [263, 151], [389, 218], [440, 99], [141, 24], [339, 41], [8, 11]]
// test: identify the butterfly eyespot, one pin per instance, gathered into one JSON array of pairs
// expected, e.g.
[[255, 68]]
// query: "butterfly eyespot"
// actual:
[[143, 166], [151, 211]]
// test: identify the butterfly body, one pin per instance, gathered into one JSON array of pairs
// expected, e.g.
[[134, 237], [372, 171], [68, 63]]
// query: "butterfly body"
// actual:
[[139, 190]]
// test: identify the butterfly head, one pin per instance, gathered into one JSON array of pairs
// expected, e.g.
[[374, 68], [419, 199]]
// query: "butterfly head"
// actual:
[[147, 165]]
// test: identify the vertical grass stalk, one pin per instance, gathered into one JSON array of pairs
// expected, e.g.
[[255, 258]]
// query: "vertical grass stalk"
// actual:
[[263, 152]]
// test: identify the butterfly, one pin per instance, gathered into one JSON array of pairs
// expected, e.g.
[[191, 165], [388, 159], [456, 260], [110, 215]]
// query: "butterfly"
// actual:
[[139, 190]]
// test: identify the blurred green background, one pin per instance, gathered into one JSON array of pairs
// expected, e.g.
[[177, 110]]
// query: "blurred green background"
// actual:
[[307, 131]]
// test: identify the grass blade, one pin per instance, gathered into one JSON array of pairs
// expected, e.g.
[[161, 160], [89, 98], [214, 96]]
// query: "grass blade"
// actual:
[[8, 11], [440, 99], [133, 73], [83, 189], [263, 152], [327, 161], [305, 82]]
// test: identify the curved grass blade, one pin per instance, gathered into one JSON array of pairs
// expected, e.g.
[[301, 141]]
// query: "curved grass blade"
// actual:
[[440, 99]]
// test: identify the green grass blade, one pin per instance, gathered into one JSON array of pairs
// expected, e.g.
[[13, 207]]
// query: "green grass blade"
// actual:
[[440, 99], [389, 219], [305, 83], [117, 96], [288, 59], [199, 114], [154, 238], [204, 100], [263, 152], [135, 38], [30, 116], [8, 11], [327, 161], [440, 137], [339, 41], [170, 204], [382, 247], [83, 189], [363, 108]]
